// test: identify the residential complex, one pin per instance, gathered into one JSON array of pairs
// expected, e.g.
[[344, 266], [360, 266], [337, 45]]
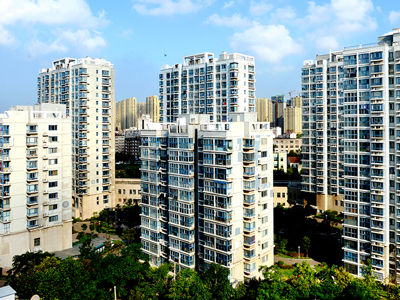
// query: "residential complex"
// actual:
[[126, 116], [264, 110], [127, 188], [351, 147], [204, 84], [287, 143], [207, 193], [35, 180], [153, 108], [140, 110], [86, 87], [278, 108]]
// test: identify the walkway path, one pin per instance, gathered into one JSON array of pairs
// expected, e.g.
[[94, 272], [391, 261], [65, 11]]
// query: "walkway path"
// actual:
[[292, 261]]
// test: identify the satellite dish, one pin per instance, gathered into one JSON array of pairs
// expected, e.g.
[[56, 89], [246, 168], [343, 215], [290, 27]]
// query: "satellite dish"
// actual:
[[35, 297]]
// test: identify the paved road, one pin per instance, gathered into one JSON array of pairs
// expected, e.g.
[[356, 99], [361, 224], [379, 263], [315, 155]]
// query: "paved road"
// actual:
[[291, 261]]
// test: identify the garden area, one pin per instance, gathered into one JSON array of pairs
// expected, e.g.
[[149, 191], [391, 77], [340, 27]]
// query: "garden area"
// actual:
[[127, 171], [318, 237]]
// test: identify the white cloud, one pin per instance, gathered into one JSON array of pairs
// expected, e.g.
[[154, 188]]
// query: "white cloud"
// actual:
[[394, 17], [127, 33], [259, 8], [235, 20], [269, 43], [327, 42], [338, 19], [228, 4], [6, 37], [169, 7], [81, 38], [284, 14], [49, 12]]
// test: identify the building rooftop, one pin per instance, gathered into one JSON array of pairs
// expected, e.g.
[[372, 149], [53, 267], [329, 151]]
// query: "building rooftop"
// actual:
[[6, 291]]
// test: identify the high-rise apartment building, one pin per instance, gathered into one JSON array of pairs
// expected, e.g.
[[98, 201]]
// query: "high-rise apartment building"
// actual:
[[207, 193], [126, 116], [140, 111], [351, 102], [292, 119], [85, 86], [35, 180], [204, 84], [264, 110], [278, 108], [153, 108]]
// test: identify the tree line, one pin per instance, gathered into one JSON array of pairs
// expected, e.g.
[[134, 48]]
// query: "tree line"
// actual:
[[93, 276]]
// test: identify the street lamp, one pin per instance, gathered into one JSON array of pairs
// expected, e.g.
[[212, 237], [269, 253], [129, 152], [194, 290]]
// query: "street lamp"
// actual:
[[299, 251]]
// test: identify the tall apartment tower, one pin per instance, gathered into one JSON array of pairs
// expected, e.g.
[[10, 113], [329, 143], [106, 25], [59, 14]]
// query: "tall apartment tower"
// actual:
[[207, 194], [35, 180], [153, 108], [264, 110], [278, 108], [126, 114], [140, 110], [204, 84], [351, 100], [86, 87]]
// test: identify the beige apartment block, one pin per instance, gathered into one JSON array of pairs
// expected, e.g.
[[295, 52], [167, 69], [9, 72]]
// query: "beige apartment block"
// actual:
[[35, 180], [153, 108], [287, 193], [287, 144], [86, 87], [264, 110], [280, 161], [126, 116], [296, 102], [292, 119], [226, 170], [127, 188]]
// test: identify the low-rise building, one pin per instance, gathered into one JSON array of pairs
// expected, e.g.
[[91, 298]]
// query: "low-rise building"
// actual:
[[287, 193], [283, 143], [280, 161], [127, 188]]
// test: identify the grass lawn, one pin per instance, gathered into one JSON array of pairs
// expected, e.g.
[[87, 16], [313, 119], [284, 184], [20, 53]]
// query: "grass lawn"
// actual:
[[287, 273]]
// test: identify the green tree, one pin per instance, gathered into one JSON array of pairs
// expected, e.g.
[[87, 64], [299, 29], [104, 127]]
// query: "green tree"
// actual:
[[188, 285], [84, 226], [273, 286], [129, 235], [306, 243], [326, 287], [304, 281], [22, 267], [216, 279]]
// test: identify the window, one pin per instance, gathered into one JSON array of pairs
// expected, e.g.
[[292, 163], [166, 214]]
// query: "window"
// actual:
[[53, 173], [53, 218], [36, 242], [264, 220], [53, 150], [53, 161], [264, 232], [119, 191], [105, 199], [53, 138], [53, 195], [52, 127], [53, 184], [264, 246], [278, 195], [53, 207], [264, 259]]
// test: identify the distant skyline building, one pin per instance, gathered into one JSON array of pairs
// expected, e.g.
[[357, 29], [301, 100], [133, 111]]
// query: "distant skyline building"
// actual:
[[35, 181], [207, 194], [205, 84], [86, 87], [153, 108], [278, 108], [126, 114], [351, 103], [264, 110], [141, 111]]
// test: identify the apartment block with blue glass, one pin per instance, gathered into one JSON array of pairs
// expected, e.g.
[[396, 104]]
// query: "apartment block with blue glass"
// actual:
[[35, 181], [353, 96], [207, 194], [205, 84]]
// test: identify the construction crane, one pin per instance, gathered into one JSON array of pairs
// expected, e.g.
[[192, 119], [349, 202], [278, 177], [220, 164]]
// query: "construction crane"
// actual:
[[290, 94]]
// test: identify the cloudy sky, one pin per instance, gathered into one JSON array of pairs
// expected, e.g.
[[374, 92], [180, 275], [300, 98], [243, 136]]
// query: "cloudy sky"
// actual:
[[135, 34]]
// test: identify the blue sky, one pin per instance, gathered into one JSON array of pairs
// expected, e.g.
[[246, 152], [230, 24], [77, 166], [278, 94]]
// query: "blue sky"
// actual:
[[135, 34]]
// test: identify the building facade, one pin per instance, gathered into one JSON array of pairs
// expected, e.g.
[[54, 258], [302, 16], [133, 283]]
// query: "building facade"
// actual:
[[86, 87], [287, 144], [207, 194], [127, 188], [35, 178], [153, 108], [350, 146], [204, 84], [126, 115], [278, 108], [264, 110], [141, 110]]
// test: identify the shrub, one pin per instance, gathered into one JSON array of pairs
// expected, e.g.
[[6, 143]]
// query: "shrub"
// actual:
[[281, 263]]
